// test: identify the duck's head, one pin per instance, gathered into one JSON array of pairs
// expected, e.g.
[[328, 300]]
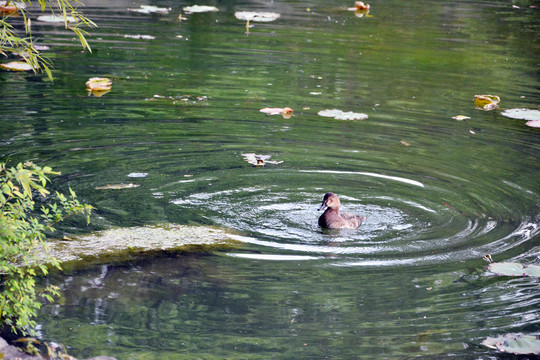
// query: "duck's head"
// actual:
[[330, 200]]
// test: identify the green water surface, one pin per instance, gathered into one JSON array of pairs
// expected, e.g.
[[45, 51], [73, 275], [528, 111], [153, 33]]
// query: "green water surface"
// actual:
[[437, 193]]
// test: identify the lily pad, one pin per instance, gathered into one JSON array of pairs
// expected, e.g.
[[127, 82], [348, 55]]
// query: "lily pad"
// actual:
[[518, 344], [150, 9], [117, 186], [514, 269], [199, 9], [486, 102], [98, 84], [342, 115], [259, 160], [57, 19], [16, 66], [522, 114], [256, 16], [135, 241], [137, 175], [143, 37]]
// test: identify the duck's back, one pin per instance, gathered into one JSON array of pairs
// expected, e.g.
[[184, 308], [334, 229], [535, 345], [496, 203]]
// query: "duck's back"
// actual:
[[331, 219], [351, 221]]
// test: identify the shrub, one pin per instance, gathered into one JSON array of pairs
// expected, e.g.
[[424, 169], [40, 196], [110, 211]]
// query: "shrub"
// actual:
[[22, 240]]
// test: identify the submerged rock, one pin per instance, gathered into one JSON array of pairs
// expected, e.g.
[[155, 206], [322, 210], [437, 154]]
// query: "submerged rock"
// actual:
[[125, 243], [10, 352]]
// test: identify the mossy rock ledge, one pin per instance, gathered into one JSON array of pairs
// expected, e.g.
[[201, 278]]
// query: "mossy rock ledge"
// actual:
[[121, 244]]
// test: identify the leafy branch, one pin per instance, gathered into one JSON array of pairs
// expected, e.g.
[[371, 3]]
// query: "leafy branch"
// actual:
[[11, 40], [22, 240]]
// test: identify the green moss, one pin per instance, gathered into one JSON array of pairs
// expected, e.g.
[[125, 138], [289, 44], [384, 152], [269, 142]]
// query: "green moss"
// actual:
[[122, 244]]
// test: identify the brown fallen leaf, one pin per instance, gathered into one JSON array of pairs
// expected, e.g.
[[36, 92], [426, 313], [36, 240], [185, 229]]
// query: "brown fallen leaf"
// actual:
[[286, 112]]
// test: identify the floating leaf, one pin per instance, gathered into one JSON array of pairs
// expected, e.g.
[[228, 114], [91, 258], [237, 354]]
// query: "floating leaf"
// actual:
[[405, 143], [486, 102], [360, 9], [16, 66], [9, 7], [143, 37], [200, 9], [117, 186], [259, 160], [518, 344], [341, 115], [359, 5], [149, 9], [137, 175], [256, 16], [460, 117], [96, 84], [57, 19], [514, 269], [182, 99], [41, 47], [522, 114], [286, 112], [533, 123]]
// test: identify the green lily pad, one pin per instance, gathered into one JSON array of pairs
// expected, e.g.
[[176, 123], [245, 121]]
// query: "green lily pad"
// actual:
[[342, 115], [514, 269], [522, 114], [518, 344]]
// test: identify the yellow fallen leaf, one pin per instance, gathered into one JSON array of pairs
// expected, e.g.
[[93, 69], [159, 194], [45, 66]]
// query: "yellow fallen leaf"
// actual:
[[98, 84], [486, 102], [460, 117], [405, 143]]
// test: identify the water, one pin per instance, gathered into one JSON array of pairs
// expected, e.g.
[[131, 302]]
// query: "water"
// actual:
[[438, 193]]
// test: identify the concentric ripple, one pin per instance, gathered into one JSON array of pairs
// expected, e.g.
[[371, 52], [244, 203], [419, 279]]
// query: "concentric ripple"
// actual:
[[410, 224]]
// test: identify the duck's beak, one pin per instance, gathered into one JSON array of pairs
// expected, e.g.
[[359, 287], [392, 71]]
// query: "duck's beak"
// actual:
[[323, 206]]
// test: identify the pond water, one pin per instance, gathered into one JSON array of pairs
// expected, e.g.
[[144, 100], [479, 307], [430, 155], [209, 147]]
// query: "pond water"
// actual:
[[437, 193]]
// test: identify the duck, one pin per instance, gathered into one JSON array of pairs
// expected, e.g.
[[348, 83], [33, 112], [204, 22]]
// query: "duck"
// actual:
[[333, 219]]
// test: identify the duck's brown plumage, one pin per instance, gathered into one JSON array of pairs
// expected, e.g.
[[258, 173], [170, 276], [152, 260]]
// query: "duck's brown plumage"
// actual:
[[333, 219]]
